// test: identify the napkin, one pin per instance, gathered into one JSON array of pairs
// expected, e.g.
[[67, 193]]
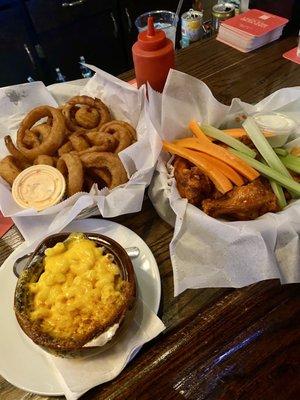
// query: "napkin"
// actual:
[[127, 103], [77, 376], [204, 251]]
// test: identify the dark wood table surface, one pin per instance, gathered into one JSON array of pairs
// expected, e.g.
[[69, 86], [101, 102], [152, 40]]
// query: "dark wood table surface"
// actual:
[[223, 344]]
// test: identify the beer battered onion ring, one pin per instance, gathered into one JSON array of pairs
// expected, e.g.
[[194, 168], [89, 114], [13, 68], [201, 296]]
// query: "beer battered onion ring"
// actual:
[[52, 142], [102, 174], [109, 161], [31, 139], [65, 148], [78, 142], [124, 125], [72, 163], [100, 177], [42, 131], [17, 155], [103, 140], [36, 135], [45, 160], [93, 149], [93, 113], [9, 169], [123, 132]]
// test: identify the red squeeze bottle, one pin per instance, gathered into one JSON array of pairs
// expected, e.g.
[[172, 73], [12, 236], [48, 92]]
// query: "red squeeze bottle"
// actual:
[[153, 56]]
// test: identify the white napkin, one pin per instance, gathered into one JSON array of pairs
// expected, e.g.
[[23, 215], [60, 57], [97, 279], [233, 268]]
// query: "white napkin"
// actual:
[[206, 252], [77, 376], [127, 103]]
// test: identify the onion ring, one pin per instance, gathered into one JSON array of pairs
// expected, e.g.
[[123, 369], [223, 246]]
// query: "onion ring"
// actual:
[[74, 172], [8, 169], [106, 160], [116, 124], [93, 114], [42, 131], [78, 142], [87, 117], [103, 174], [36, 135], [17, 155], [120, 132], [50, 120], [105, 141], [95, 178], [61, 166], [52, 142], [92, 149], [65, 148], [81, 134], [30, 139], [45, 160], [54, 160]]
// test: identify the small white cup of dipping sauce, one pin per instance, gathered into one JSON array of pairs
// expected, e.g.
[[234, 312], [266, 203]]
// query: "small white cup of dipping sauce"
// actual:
[[39, 187], [278, 125]]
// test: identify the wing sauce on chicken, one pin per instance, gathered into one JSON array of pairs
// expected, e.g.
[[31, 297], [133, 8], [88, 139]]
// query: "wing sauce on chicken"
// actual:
[[241, 203]]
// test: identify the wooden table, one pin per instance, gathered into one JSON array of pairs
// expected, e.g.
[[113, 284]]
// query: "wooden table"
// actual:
[[219, 343]]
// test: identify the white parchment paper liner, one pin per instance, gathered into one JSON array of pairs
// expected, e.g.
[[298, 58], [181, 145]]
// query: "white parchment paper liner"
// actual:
[[78, 376], [206, 252], [126, 103]]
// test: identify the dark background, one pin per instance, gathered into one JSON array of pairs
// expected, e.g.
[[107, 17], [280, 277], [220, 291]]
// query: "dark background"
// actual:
[[36, 36]]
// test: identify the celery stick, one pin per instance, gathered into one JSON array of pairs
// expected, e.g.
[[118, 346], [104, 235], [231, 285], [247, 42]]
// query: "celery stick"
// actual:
[[264, 147], [292, 159], [223, 137], [291, 162], [283, 180], [278, 191], [281, 152]]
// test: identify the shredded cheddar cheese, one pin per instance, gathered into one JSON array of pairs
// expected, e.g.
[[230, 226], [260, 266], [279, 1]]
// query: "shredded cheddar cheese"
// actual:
[[78, 290]]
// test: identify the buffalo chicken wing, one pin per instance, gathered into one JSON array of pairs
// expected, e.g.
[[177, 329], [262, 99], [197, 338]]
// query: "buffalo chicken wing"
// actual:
[[241, 203], [244, 202]]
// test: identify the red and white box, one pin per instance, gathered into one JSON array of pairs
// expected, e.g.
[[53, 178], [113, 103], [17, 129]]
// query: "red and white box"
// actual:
[[251, 30]]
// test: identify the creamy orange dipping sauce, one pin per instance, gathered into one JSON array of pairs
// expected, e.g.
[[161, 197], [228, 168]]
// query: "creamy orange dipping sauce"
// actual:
[[39, 187]]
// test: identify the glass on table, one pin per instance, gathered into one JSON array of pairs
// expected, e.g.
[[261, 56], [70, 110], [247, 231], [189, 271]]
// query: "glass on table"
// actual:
[[163, 19]]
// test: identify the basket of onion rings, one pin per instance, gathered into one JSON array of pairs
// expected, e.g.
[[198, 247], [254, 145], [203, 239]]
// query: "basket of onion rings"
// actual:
[[91, 153]]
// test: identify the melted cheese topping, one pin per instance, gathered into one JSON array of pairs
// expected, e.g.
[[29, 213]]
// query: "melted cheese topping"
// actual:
[[79, 289]]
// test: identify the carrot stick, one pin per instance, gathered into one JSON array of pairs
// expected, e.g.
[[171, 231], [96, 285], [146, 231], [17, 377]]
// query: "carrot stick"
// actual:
[[198, 132], [222, 154], [235, 132], [240, 132], [221, 182], [229, 172]]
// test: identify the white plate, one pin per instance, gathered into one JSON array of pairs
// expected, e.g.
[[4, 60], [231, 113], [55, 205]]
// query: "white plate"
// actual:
[[20, 363]]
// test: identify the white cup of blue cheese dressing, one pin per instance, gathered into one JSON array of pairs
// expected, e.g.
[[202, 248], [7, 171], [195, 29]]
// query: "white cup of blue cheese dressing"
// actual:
[[279, 125], [39, 187]]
